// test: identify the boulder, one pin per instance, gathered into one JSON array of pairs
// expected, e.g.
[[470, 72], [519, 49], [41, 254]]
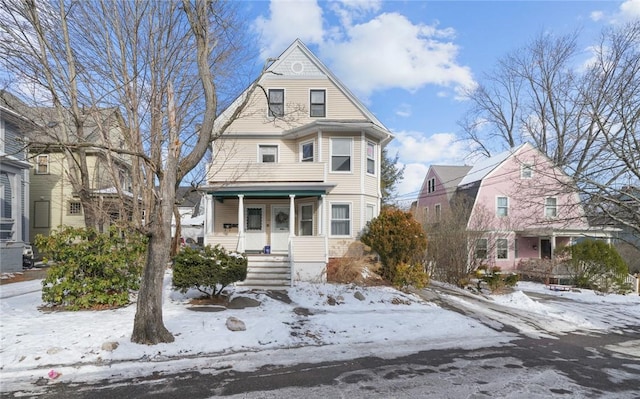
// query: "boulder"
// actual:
[[235, 324], [109, 346], [241, 302]]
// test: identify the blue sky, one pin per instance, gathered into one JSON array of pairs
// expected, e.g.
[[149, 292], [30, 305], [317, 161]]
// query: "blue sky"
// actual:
[[408, 60]]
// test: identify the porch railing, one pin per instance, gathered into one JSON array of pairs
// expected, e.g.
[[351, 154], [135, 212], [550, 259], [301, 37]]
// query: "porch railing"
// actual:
[[634, 282]]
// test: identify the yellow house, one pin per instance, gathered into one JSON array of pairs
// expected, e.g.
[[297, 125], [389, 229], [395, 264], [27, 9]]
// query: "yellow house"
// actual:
[[54, 202], [294, 180]]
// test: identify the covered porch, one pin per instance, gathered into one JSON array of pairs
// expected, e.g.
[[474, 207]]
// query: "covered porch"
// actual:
[[536, 255], [281, 228]]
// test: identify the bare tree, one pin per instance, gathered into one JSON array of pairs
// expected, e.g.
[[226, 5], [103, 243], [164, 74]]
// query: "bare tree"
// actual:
[[453, 250], [585, 119], [167, 67]]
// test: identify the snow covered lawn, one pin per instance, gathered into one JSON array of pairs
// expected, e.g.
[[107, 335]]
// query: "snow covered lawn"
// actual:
[[386, 323]]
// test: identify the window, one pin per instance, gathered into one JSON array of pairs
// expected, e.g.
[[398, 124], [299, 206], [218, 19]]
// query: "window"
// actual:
[[306, 152], [502, 248], [371, 158], [276, 102], [42, 165], [550, 207], [481, 248], [502, 206], [268, 153], [526, 171], [306, 220], [340, 220], [318, 103], [75, 208], [438, 211], [254, 219], [371, 211], [340, 155], [431, 185], [515, 249]]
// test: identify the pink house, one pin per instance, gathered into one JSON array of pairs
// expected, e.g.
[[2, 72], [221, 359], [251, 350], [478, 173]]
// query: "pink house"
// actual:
[[524, 206]]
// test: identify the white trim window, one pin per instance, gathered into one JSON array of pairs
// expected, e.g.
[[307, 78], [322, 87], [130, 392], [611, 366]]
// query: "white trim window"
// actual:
[[550, 207], [502, 248], [305, 227], [42, 164], [370, 213], [438, 212], [317, 103], [371, 158], [276, 102], [481, 248], [502, 206], [341, 154], [341, 220], [526, 171], [307, 152], [267, 153], [75, 208]]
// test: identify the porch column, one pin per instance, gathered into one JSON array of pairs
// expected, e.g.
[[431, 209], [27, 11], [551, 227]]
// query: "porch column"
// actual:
[[553, 244], [292, 216], [209, 221], [321, 215], [240, 223]]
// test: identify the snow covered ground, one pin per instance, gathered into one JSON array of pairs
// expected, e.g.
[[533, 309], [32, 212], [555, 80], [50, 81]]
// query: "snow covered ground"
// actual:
[[386, 323]]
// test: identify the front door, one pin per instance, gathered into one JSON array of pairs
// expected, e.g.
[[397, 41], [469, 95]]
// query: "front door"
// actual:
[[255, 233], [279, 229], [545, 248]]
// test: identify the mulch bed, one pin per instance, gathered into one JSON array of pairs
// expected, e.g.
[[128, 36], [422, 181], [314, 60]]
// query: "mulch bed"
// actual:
[[25, 275]]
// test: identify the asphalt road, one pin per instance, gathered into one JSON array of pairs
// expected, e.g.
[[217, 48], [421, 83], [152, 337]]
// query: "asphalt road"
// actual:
[[584, 365]]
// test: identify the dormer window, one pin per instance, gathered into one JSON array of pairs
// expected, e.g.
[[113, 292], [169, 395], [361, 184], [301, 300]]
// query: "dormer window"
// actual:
[[318, 103], [276, 102]]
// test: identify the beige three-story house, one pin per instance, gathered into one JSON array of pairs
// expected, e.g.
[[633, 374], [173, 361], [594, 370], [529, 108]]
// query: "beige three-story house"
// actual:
[[294, 180]]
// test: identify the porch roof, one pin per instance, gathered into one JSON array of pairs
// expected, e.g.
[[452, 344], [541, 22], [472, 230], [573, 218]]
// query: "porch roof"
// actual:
[[593, 231], [269, 190]]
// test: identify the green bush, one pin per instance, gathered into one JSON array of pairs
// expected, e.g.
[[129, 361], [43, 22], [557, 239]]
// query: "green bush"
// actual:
[[597, 265], [209, 270], [91, 270], [410, 275], [397, 238]]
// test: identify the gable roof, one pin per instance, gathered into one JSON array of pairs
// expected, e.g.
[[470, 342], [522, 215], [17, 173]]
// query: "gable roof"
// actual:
[[482, 168], [298, 57]]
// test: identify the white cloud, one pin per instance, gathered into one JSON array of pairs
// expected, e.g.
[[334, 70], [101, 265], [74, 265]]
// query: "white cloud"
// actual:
[[348, 10], [419, 152], [440, 148], [391, 52], [596, 15], [404, 110], [413, 177], [387, 51], [630, 9], [289, 20]]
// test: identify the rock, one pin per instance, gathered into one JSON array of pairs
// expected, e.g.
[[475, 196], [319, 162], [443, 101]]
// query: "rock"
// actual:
[[331, 300], [242, 302], [109, 346], [358, 295], [54, 350], [235, 324]]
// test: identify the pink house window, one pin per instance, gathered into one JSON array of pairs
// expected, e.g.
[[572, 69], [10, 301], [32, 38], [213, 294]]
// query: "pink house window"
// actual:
[[550, 207], [502, 206]]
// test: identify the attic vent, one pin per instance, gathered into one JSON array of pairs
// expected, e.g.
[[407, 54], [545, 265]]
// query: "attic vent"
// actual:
[[297, 67]]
